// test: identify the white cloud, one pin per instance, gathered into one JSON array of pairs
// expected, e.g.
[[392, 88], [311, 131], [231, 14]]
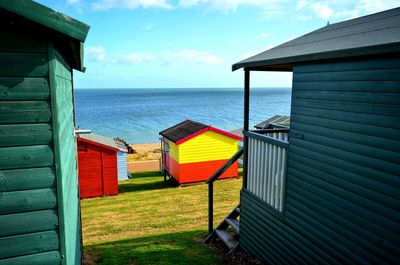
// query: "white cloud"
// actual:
[[228, 5], [342, 9], [95, 53], [148, 27], [130, 4], [135, 57], [372, 6], [191, 56], [263, 35], [322, 10], [73, 2]]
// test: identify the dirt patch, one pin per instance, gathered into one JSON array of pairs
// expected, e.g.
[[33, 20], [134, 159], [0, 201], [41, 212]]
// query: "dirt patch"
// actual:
[[90, 257], [238, 257], [144, 152]]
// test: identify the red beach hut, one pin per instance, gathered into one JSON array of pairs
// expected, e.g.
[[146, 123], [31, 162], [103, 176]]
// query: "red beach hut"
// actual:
[[98, 165]]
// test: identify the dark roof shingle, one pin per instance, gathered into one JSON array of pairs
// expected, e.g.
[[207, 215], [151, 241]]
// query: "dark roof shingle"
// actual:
[[279, 120], [373, 34], [182, 130]]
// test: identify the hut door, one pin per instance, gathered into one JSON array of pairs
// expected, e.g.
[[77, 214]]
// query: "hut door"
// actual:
[[167, 155]]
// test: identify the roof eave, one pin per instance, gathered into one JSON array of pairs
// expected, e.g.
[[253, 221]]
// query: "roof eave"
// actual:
[[286, 63], [48, 18], [112, 148]]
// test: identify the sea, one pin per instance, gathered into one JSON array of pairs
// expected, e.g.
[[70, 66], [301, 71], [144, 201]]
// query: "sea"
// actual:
[[138, 115]]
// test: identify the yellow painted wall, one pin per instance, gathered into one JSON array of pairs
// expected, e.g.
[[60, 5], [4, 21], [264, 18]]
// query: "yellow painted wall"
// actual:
[[207, 146], [173, 151]]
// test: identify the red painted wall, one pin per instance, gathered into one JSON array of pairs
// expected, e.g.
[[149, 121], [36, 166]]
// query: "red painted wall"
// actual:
[[200, 171], [97, 170]]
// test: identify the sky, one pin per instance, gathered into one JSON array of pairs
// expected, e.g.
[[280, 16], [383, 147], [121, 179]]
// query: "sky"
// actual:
[[193, 43]]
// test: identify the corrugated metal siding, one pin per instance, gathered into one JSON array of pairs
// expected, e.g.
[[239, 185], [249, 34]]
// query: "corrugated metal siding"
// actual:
[[122, 166], [343, 185], [206, 147], [28, 198]]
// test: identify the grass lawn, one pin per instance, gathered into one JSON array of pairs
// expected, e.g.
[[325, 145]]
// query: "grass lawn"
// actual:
[[150, 222]]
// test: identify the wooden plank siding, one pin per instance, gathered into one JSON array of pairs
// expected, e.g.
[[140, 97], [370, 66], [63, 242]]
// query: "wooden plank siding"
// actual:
[[28, 195], [43, 258], [62, 105], [343, 183]]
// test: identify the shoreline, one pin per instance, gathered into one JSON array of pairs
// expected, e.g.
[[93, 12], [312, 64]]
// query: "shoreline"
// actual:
[[144, 152]]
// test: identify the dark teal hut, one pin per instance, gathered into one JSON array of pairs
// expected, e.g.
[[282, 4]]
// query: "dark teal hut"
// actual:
[[39, 201], [330, 194]]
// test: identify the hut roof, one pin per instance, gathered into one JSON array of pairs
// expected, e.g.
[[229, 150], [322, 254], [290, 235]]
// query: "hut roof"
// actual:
[[66, 26], [278, 120], [103, 141], [188, 129], [368, 35]]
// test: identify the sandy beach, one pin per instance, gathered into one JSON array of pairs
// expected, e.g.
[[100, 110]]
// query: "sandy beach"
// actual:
[[145, 152]]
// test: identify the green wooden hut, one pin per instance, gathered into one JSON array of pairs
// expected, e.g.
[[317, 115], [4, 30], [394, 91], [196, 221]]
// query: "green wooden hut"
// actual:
[[330, 194], [39, 201]]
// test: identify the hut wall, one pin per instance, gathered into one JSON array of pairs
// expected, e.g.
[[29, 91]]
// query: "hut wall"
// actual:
[[97, 170], [171, 162], [343, 196], [62, 102], [200, 157], [29, 217], [208, 146], [110, 172], [122, 166]]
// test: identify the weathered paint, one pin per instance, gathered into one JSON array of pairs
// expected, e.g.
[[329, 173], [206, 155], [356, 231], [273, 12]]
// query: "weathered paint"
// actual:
[[65, 156], [39, 204], [98, 173], [27, 176], [343, 197]]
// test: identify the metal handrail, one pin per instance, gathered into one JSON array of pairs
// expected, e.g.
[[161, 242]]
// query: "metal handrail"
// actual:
[[280, 130], [266, 138], [210, 183]]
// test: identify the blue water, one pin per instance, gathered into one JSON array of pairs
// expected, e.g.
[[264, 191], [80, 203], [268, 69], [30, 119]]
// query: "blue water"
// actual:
[[138, 115]]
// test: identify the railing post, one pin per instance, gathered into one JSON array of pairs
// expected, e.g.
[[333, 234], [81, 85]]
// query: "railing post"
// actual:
[[210, 183], [246, 123], [210, 207]]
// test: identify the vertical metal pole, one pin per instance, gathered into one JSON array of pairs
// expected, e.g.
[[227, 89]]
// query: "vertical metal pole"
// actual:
[[210, 207], [246, 123]]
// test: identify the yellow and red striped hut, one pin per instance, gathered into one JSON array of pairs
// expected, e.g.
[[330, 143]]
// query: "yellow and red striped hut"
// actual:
[[193, 151]]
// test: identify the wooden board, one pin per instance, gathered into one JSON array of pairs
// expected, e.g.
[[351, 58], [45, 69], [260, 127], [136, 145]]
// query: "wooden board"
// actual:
[[27, 200], [26, 157], [24, 88], [26, 134], [27, 179], [23, 65], [12, 112], [29, 243], [28, 222], [65, 157], [44, 258]]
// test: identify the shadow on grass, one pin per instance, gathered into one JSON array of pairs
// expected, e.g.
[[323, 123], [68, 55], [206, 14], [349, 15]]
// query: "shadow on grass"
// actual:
[[141, 181], [173, 248]]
